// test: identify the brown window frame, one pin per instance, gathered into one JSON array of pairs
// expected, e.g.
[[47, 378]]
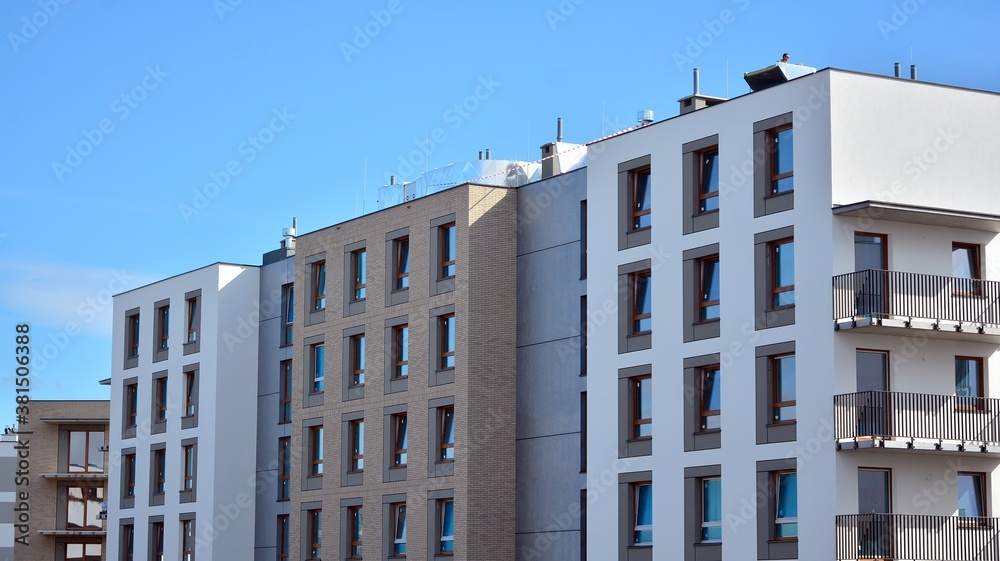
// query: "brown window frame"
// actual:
[[359, 274], [287, 314], [160, 465], [977, 521], [129, 473], [187, 540], [160, 391], [401, 365], [128, 539], [776, 485], [158, 538], [133, 335], [314, 523], [193, 323], [637, 213], [131, 404], [400, 428], [446, 446], [703, 304], [976, 287], [772, 250], [402, 280], [776, 403], [190, 389], [701, 195], [356, 439], [352, 544], [188, 455], [284, 537], [636, 317], [636, 383], [702, 412], [86, 451], [318, 367], [774, 177], [443, 240], [163, 321], [443, 352], [316, 438], [285, 391], [285, 468], [357, 360], [318, 298], [977, 401]]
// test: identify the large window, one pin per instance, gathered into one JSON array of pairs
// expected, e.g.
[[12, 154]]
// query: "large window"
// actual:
[[786, 508], [187, 482], [635, 197], [774, 278], [85, 455], [710, 399], [447, 537], [446, 237], [83, 505], [965, 268], [702, 507], [285, 384], [131, 401], [193, 319], [187, 540], [401, 351], [319, 285], [708, 180], [190, 393], [318, 362], [83, 551], [969, 382], [446, 424], [355, 526], [641, 198], [357, 444], [642, 517], [132, 339], [772, 159], [159, 465], [711, 509], [446, 341], [128, 476], [402, 269], [160, 399], [700, 169], [642, 303], [163, 327], [359, 274], [783, 398], [287, 314], [398, 511], [127, 547], [400, 440], [642, 407], [156, 541], [781, 151], [315, 434], [783, 273], [708, 301], [284, 537], [972, 495], [314, 531], [357, 359], [285, 468]]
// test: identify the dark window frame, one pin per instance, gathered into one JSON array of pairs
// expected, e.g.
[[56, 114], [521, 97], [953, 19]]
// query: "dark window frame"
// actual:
[[628, 236], [765, 200]]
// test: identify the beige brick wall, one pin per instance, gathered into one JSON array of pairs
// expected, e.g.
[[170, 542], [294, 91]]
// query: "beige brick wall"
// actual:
[[484, 375], [43, 449]]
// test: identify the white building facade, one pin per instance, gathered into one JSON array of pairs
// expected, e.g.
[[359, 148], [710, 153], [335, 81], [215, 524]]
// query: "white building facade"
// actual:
[[733, 415]]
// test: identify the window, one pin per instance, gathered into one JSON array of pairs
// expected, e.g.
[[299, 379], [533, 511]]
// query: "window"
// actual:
[[711, 509], [635, 306], [782, 253], [156, 541], [287, 314], [972, 495], [401, 351], [318, 353], [700, 168], [786, 505], [315, 434], [83, 551], [357, 444], [447, 537], [190, 393], [187, 483], [710, 398], [399, 529], [187, 540], [357, 358], [642, 407], [634, 202], [702, 403], [132, 338], [285, 414], [162, 327], [447, 440], [708, 302], [83, 505], [642, 303], [774, 278], [285, 468], [160, 399], [128, 542], [85, 455], [402, 254], [446, 237], [399, 440], [128, 475], [284, 537], [642, 531], [319, 285], [783, 398], [131, 401], [965, 268], [969, 382], [775, 392], [159, 471], [774, 182], [193, 319], [701, 277], [708, 180], [446, 341], [354, 530], [314, 529], [359, 274]]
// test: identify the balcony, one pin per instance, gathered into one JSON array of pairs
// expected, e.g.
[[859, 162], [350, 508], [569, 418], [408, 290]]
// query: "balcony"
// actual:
[[912, 537], [917, 422], [897, 303]]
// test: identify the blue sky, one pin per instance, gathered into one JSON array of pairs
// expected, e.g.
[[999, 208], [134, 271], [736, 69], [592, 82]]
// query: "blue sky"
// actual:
[[144, 139]]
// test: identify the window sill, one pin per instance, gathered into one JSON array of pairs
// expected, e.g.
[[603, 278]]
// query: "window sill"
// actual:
[[320, 392], [284, 422], [640, 333], [448, 369], [643, 229], [709, 431], [707, 321], [285, 345], [781, 194], [449, 461], [449, 277], [284, 500], [705, 213]]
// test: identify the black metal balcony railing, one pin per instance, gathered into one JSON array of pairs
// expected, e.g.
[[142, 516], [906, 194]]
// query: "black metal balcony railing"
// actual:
[[900, 415], [881, 294], [917, 537]]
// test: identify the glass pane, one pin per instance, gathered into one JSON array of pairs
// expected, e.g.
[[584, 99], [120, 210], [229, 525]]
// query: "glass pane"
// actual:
[[962, 264], [290, 303], [711, 391], [710, 173], [447, 526], [95, 496], [404, 257], [787, 530], [642, 192], [357, 526], [644, 296], [967, 378], [644, 514], [77, 451], [970, 495], [783, 152], [448, 433], [868, 252], [785, 367], [784, 268], [321, 279], [711, 500], [75, 506], [645, 391], [788, 503]]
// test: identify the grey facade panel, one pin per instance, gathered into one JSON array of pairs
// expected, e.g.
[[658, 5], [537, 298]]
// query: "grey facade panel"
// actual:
[[548, 392], [548, 292]]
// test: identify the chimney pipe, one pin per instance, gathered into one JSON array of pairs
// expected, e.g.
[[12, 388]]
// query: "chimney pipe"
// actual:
[[487, 153], [295, 223], [697, 81], [392, 180], [896, 69], [913, 71], [559, 129], [480, 154]]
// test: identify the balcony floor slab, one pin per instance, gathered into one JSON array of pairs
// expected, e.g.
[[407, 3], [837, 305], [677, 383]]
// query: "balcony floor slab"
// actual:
[[918, 446], [920, 328]]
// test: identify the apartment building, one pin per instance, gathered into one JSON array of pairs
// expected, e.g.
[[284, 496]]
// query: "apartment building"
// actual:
[[735, 416], [67, 479], [183, 393], [8, 494]]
